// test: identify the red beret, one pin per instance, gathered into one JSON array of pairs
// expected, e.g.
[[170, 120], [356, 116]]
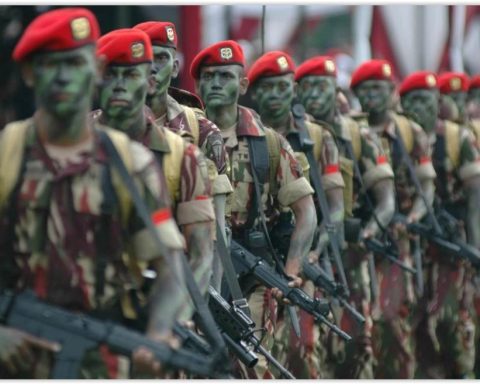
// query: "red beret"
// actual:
[[273, 63], [125, 46], [453, 82], [58, 30], [225, 52], [372, 70], [317, 66], [474, 82], [160, 32], [418, 80]]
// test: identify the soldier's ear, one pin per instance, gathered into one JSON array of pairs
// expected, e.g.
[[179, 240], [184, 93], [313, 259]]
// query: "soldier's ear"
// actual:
[[101, 67], [243, 85], [26, 69], [176, 68]]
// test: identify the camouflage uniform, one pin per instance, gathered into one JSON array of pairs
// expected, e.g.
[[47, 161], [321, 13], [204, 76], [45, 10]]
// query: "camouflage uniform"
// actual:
[[393, 342], [354, 359], [445, 337], [305, 356], [285, 187], [59, 233]]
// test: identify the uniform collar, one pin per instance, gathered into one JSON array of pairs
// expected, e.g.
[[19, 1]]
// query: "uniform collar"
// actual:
[[154, 137], [249, 123]]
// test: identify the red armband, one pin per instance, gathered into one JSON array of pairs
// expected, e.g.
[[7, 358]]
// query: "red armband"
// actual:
[[331, 168], [161, 215]]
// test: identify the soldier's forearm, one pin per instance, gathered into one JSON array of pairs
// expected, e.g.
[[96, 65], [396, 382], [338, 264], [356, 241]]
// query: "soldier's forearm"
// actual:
[[419, 209], [302, 236], [200, 251], [384, 200], [168, 296], [473, 211]]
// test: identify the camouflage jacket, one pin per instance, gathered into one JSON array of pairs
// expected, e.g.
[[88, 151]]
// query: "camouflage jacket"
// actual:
[[64, 218], [209, 141], [290, 185]]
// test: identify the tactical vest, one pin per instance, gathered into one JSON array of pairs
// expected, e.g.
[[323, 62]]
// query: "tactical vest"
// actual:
[[172, 163], [192, 120], [12, 149]]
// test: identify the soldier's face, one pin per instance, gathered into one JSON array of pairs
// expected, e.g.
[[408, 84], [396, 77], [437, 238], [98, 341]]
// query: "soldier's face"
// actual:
[[460, 99], [274, 95], [374, 95], [220, 86], [64, 82], [422, 106], [164, 68], [124, 90], [317, 94]]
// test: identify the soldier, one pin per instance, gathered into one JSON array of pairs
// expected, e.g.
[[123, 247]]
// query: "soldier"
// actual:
[[127, 78], [190, 123], [316, 79], [473, 98], [272, 87], [66, 217], [445, 336], [393, 342], [219, 74]]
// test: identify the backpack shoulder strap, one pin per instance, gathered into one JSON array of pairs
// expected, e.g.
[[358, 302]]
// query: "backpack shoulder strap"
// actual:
[[273, 147], [192, 120], [315, 132], [452, 137], [356, 138], [172, 163], [12, 148], [405, 130]]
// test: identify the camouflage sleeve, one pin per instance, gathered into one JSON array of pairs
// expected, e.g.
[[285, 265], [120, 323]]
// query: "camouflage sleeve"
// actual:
[[212, 146], [289, 176], [373, 163], [152, 185], [469, 155], [421, 154], [329, 163], [195, 203]]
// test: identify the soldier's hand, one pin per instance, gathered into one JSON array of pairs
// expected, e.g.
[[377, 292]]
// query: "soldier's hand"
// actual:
[[296, 282], [313, 257], [144, 362], [16, 349]]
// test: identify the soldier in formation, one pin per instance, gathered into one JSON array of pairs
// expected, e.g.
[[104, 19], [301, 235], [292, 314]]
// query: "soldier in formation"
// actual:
[[385, 200]]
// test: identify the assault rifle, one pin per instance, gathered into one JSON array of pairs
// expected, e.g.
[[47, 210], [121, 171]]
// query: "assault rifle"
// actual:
[[389, 251], [238, 331], [448, 239], [78, 333], [246, 262], [322, 280]]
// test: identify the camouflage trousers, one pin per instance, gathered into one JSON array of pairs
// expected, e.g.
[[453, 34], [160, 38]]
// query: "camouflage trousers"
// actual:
[[476, 307], [445, 335], [353, 360], [303, 356], [263, 310], [98, 363], [392, 334]]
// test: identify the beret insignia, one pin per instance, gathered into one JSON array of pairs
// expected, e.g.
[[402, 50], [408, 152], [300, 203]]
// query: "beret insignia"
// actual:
[[226, 53], [329, 66], [387, 70], [80, 28], [170, 33], [282, 63], [138, 50]]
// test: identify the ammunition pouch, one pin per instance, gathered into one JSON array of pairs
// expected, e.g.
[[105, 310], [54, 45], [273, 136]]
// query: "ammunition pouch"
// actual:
[[352, 229]]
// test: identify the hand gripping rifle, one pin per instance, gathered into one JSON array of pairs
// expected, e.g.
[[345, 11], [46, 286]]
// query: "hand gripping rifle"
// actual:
[[78, 333], [246, 262], [238, 331]]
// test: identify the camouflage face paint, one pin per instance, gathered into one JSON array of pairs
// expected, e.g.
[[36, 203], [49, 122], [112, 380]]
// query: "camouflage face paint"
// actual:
[[162, 68], [123, 93], [274, 96], [460, 99], [422, 106], [64, 81], [374, 95], [317, 94], [220, 85], [474, 95]]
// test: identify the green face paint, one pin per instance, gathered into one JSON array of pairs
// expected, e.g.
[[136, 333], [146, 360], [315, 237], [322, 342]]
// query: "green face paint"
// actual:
[[422, 106], [123, 92], [374, 95], [64, 81], [274, 96], [317, 94], [219, 86], [460, 99], [162, 68]]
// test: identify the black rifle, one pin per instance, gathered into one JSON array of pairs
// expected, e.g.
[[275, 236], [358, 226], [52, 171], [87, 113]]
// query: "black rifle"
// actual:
[[322, 279], [238, 330], [246, 262], [191, 340], [303, 143], [389, 251], [78, 333]]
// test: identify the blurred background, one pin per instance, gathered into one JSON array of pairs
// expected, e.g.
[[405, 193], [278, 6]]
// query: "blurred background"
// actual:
[[411, 37]]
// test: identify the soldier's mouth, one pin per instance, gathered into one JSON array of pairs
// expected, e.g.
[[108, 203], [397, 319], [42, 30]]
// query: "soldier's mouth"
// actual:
[[118, 103]]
